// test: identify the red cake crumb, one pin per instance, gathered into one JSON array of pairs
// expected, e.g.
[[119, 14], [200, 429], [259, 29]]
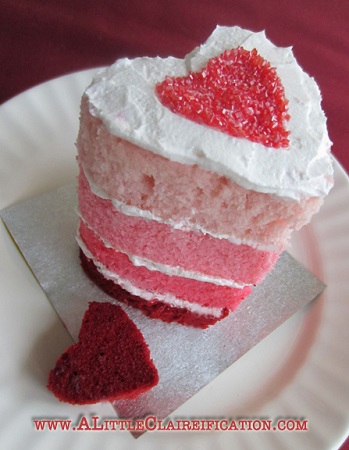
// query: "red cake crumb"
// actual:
[[238, 92], [153, 309], [111, 360]]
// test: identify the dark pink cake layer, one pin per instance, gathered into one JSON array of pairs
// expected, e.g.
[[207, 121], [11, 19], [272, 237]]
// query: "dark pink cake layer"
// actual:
[[159, 242], [153, 309], [191, 290]]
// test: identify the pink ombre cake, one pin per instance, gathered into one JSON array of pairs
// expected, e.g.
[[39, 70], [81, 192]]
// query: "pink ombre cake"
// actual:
[[195, 172]]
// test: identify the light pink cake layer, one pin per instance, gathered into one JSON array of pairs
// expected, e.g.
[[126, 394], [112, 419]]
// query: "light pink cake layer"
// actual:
[[193, 291], [161, 243], [181, 192]]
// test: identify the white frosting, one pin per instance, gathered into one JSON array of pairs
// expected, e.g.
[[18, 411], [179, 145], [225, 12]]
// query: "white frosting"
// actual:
[[148, 295], [130, 210], [180, 272], [123, 96]]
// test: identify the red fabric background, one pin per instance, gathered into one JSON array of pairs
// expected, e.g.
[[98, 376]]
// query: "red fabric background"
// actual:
[[43, 39]]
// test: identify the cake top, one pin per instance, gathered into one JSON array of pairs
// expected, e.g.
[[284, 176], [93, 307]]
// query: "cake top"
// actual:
[[124, 96], [237, 92]]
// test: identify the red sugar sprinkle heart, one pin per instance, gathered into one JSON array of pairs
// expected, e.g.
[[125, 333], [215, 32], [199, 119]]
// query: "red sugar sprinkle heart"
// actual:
[[238, 92], [110, 361]]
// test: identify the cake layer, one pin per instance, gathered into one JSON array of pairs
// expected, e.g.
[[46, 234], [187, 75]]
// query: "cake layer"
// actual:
[[154, 309], [149, 296], [159, 284], [187, 194], [111, 360], [161, 243]]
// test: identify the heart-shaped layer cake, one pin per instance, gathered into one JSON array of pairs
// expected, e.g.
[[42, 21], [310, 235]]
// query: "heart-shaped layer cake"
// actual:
[[110, 361], [184, 201], [238, 92]]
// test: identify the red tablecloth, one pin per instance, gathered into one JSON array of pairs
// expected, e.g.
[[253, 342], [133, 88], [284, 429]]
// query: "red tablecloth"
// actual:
[[43, 39]]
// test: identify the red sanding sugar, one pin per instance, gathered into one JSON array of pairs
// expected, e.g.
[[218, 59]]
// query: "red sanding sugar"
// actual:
[[110, 361], [238, 93]]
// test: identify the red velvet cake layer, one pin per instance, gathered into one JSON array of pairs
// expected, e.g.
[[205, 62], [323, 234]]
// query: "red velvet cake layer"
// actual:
[[110, 361]]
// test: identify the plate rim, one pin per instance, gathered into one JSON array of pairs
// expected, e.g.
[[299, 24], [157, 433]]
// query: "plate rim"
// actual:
[[35, 92]]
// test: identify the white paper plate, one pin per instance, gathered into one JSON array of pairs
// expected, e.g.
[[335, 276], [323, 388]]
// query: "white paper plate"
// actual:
[[300, 371]]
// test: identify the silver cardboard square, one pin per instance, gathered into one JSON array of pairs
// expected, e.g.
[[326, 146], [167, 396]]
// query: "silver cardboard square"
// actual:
[[187, 359]]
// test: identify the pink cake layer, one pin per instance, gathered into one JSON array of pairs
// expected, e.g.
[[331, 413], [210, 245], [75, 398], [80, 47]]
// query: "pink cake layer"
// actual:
[[161, 243], [154, 309], [181, 192], [194, 291]]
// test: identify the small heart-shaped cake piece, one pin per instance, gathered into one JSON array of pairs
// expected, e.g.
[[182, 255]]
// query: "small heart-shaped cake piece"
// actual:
[[111, 360], [238, 92]]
